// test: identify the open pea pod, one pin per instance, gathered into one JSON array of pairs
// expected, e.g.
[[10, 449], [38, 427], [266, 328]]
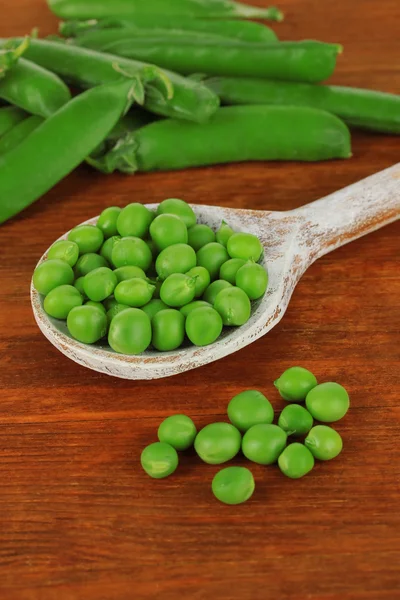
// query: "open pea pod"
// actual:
[[10, 53]]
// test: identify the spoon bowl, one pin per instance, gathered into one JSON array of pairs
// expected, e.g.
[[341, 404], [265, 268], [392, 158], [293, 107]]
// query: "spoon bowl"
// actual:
[[292, 241]]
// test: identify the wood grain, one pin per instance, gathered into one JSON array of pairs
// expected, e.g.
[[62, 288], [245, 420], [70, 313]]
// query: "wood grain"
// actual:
[[79, 520]]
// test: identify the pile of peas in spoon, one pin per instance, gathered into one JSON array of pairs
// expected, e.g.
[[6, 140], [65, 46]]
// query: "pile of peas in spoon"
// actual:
[[143, 277], [252, 431]]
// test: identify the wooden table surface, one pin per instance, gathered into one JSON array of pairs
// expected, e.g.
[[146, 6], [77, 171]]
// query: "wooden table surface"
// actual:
[[79, 520]]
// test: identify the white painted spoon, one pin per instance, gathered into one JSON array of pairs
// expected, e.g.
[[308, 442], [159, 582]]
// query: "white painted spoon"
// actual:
[[292, 240]]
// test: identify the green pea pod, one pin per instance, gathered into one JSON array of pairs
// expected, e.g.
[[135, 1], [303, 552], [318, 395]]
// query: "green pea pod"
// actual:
[[309, 61], [245, 31], [10, 55], [60, 144], [9, 117], [132, 121], [98, 9], [19, 133], [85, 68], [234, 134], [366, 109]]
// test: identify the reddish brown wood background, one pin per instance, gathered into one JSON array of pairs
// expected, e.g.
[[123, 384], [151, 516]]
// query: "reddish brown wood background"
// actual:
[[79, 520]]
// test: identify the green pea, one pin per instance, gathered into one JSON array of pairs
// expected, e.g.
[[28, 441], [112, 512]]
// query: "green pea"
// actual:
[[217, 443], [233, 485], [89, 262], [131, 251], [168, 230], [295, 420], [130, 332], [153, 307], [253, 280], [109, 303], [233, 305], [159, 460], [178, 430], [230, 268], [99, 284], [200, 235], [168, 330], [108, 246], [134, 221], [295, 383], [114, 311], [87, 324], [245, 246], [181, 209], [177, 290], [107, 221], [328, 402], [129, 272], [187, 309], [264, 443], [212, 256], [64, 250], [50, 274], [98, 305], [296, 461], [179, 258], [214, 289], [78, 284], [134, 292], [203, 326], [324, 442], [224, 233], [202, 280], [88, 237], [61, 300], [250, 408]]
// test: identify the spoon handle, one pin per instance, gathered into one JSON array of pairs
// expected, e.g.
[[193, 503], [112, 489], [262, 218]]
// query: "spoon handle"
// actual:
[[349, 213]]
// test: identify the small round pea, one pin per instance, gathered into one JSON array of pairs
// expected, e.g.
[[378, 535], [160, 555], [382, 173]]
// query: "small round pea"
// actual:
[[295, 420], [107, 221], [87, 324], [233, 485], [159, 460], [250, 408], [217, 443], [202, 280], [64, 250], [296, 461], [179, 258], [153, 307], [131, 251], [187, 309], [199, 235], [134, 292], [230, 268], [252, 279], [98, 305], [295, 383], [174, 206], [134, 220], [224, 233], [61, 300], [212, 256], [168, 230], [168, 330], [264, 443], [214, 289], [328, 402], [50, 274], [203, 326], [88, 237], [78, 284], [178, 430], [244, 245], [177, 290], [233, 305], [129, 272], [108, 246], [115, 310], [324, 442], [130, 332], [99, 284], [89, 262]]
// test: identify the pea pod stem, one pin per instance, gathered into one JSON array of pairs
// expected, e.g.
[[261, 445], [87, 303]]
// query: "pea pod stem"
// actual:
[[9, 55]]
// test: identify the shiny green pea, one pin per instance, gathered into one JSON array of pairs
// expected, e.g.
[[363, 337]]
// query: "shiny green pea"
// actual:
[[245, 246], [87, 324], [324, 442], [217, 443], [114, 310], [50, 274], [200, 235], [264, 443], [108, 246], [64, 250], [78, 284], [296, 461], [295, 383], [214, 289], [134, 292], [134, 221], [328, 402], [295, 420], [250, 408], [168, 230], [89, 262], [212, 256], [253, 280], [178, 430], [177, 290], [224, 233], [187, 309], [107, 221], [130, 332], [131, 251], [61, 300], [202, 280], [233, 485], [233, 305], [98, 305], [168, 330], [230, 268], [173, 206], [203, 326], [129, 272], [159, 460], [179, 258], [153, 307], [88, 237], [99, 284]]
